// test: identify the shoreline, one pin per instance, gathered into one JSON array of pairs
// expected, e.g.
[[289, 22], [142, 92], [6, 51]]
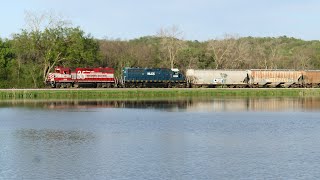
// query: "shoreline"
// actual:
[[133, 93]]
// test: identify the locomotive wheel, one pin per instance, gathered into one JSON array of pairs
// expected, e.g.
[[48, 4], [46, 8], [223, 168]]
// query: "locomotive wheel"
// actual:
[[58, 85]]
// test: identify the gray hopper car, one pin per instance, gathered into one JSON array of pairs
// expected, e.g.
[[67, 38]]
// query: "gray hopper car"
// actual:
[[217, 78]]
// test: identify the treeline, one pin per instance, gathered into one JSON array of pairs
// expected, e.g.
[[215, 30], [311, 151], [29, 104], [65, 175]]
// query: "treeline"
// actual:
[[29, 56], [227, 53]]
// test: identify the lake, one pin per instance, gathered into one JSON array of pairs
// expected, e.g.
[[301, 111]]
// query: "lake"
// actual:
[[196, 138]]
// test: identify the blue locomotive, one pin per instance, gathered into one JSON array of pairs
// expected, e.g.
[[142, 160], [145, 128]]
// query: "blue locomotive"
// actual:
[[152, 77]]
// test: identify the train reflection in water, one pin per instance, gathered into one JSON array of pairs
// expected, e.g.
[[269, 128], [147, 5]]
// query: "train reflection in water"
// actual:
[[256, 104], [198, 104]]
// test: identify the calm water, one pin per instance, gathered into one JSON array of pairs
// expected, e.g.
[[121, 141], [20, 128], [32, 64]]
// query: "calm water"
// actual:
[[274, 138]]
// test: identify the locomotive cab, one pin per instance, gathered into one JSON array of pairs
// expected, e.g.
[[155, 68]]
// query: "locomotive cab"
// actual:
[[60, 70], [177, 75], [60, 78]]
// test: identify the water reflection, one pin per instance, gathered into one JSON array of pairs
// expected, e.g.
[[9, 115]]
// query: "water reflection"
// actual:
[[187, 104], [112, 140], [44, 153], [54, 135], [256, 104]]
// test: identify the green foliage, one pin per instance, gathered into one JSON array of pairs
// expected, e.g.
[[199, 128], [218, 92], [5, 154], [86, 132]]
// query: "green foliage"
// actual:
[[29, 56], [80, 49], [6, 56], [38, 52]]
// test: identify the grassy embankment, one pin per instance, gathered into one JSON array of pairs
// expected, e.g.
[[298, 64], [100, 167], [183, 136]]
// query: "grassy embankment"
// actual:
[[152, 93]]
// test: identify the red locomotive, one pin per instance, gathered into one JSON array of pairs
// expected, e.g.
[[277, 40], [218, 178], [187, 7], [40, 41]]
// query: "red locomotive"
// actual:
[[85, 77]]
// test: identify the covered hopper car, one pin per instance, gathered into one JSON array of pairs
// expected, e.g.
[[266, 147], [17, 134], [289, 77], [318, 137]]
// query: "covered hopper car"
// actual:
[[311, 78], [275, 78], [253, 78], [217, 78]]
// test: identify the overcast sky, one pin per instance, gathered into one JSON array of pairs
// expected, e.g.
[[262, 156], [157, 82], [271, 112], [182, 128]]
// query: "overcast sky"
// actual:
[[198, 19]]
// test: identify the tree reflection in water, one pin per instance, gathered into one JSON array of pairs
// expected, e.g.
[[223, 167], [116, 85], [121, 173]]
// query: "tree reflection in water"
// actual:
[[185, 104], [54, 135]]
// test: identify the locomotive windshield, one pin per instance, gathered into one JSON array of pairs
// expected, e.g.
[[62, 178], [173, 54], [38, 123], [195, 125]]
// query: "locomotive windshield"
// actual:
[[176, 74]]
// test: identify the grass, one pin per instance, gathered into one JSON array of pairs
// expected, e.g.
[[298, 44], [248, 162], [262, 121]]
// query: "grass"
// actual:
[[7, 94]]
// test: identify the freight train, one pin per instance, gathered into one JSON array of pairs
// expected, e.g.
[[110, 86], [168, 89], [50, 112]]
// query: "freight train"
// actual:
[[167, 78]]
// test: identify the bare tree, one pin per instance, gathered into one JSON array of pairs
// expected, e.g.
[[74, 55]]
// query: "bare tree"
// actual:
[[261, 56], [222, 50], [302, 58], [241, 55], [171, 42], [38, 21], [274, 55], [267, 54]]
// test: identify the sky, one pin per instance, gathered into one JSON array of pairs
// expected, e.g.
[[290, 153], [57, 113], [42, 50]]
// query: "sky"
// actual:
[[198, 19]]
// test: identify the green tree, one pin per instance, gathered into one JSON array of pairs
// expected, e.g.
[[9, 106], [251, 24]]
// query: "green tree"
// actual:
[[42, 50], [6, 56]]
